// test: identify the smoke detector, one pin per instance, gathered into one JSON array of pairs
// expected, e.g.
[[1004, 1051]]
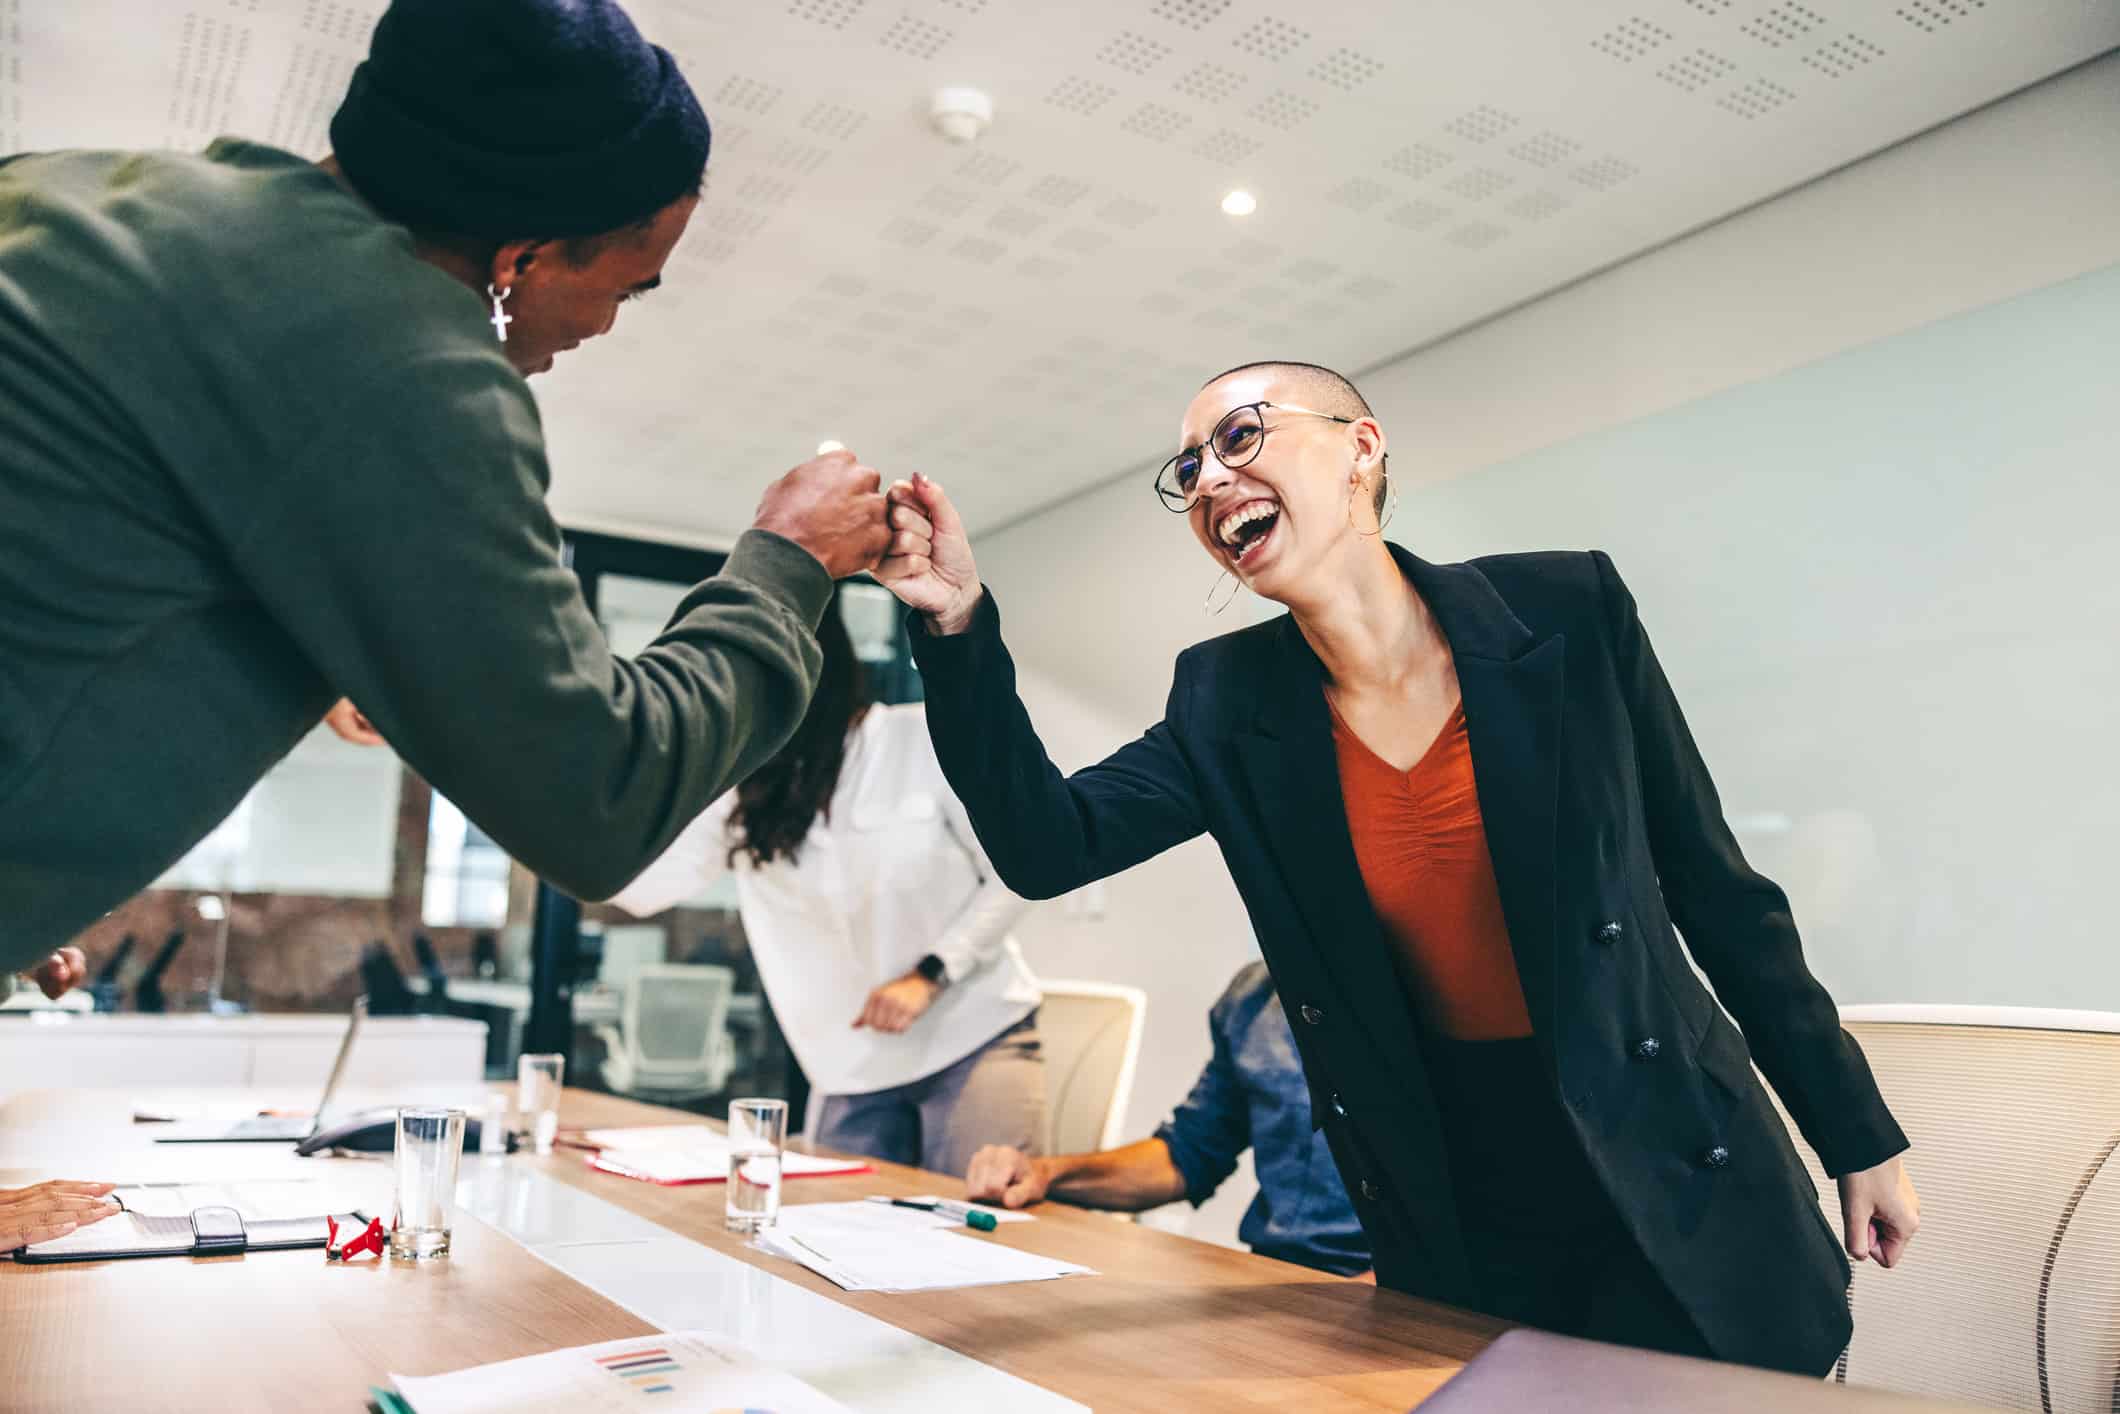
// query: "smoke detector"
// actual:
[[961, 114]]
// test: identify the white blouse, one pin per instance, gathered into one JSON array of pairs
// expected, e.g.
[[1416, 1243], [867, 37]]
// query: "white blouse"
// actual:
[[890, 873]]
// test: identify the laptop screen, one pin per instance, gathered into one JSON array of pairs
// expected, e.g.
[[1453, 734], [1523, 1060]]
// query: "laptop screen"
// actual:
[[338, 1064]]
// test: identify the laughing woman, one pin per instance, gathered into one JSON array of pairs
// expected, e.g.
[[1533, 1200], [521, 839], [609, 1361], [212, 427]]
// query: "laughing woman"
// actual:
[[1469, 824]]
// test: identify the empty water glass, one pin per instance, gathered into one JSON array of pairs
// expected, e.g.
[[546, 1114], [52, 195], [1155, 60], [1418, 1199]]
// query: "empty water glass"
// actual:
[[757, 1130], [430, 1143], [493, 1124], [537, 1083]]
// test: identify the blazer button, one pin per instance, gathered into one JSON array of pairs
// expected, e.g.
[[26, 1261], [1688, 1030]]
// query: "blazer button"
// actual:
[[1647, 1048], [1371, 1191], [1609, 933], [1310, 1014], [1338, 1108], [1716, 1158]]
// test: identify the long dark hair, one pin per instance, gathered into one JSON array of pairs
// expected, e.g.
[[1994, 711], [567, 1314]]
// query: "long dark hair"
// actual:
[[776, 806]]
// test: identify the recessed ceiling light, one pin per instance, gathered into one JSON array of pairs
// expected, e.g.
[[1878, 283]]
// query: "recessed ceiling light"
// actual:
[[1240, 203]]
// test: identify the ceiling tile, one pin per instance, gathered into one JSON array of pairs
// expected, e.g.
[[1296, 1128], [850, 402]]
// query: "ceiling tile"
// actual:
[[1416, 169]]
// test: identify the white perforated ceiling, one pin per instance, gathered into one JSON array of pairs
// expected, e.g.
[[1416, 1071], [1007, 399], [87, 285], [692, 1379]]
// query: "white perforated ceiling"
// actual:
[[1026, 317]]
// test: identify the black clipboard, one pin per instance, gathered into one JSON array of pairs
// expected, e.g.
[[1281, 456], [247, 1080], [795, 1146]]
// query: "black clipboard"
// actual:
[[206, 1232]]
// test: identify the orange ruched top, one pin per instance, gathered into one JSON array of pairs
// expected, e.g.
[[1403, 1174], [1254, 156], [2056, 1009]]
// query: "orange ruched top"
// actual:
[[1422, 847]]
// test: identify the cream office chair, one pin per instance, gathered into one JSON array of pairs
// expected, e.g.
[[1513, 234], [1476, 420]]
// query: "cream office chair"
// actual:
[[2010, 1295], [628, 947], [1090, 1033], [672, 1042]]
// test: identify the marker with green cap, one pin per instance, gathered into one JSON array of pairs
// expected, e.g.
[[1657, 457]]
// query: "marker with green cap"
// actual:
[[978, 1219]]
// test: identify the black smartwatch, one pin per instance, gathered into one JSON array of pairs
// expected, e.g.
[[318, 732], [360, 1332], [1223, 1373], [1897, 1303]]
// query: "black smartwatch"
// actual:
[[932, 969]]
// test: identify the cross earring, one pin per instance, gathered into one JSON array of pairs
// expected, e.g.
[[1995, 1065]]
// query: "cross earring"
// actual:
[[500, 319]]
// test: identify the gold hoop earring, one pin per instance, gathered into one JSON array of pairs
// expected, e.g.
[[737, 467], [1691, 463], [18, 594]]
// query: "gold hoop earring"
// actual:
[[1209, 606], [1391, 504]]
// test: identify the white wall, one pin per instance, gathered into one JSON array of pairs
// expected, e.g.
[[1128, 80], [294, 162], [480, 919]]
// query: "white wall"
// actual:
[[1883, 587], [1833, 562]]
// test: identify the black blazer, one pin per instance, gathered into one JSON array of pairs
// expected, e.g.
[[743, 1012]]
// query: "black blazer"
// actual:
[[1605, 831]]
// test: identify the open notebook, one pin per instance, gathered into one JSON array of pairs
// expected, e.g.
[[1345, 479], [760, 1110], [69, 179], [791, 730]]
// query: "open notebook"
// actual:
[[176, 1219]]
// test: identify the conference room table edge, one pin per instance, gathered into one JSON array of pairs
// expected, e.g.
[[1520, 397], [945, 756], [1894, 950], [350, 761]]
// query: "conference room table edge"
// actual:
[[1169, 1323]]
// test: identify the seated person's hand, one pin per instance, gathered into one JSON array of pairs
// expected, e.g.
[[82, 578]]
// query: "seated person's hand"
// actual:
[[929, 563], [65, 969], [1006, 1176], [52, 1209], [898, 1003], [1368, 1278], [346, 719]]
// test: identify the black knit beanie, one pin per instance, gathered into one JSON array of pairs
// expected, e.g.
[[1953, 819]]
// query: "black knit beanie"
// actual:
[[516, 118]]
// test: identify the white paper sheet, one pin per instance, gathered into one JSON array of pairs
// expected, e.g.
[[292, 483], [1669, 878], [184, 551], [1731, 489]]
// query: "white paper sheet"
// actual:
[[685, 1372], [876, 1247], [693, 1153], [256, 1199], [643, 1136]]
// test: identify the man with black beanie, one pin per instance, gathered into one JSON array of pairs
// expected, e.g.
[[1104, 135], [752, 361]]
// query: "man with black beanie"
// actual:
[[265, 442]]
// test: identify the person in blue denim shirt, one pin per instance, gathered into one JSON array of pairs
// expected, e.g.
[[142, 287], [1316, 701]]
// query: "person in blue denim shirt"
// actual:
[[1251, 1095]]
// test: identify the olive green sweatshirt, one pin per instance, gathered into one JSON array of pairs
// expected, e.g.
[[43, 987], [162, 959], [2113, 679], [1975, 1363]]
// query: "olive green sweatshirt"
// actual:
[[254, 456]]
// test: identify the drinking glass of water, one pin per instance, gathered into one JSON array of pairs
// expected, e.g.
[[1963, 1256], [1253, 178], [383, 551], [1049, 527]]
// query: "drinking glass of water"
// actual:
[[757, 1129], [430, 1142], [537, 1082]]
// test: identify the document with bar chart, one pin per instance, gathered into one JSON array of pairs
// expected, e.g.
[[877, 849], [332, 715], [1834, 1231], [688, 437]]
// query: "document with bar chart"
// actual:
[[687, 1371]]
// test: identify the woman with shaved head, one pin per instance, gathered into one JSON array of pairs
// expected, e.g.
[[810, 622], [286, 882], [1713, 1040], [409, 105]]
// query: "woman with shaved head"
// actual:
[[1468, 821]]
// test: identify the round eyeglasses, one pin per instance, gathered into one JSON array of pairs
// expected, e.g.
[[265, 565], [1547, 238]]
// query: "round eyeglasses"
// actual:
[[1235, 443]]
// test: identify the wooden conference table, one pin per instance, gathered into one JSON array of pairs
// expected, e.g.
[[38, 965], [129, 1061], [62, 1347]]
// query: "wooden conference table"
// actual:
[[1169, 1324]]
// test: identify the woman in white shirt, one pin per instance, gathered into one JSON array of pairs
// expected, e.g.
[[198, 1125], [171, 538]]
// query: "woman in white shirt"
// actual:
[[880, 931]]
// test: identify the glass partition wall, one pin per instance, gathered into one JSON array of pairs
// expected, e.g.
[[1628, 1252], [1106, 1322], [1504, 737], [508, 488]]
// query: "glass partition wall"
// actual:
[[343, 873]]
